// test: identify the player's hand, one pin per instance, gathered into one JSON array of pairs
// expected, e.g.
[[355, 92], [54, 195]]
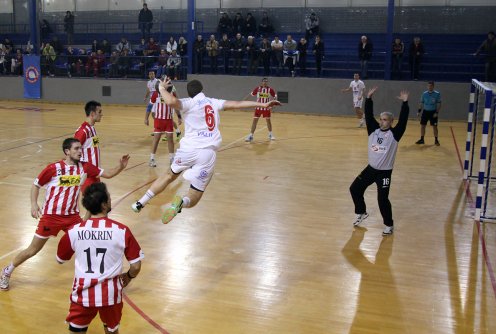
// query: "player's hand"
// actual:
[[124, 160], [435, 115], [179, 121], [404, 95], [36, 211], [166, 83], [144, 99], [125, 280], [272, 103], [371, 91]]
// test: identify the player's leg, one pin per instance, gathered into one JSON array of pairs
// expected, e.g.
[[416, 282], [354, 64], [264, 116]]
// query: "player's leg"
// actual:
[[178, 131], [434, 129], [155, 141], [156, 188], [357, 189], [383, 182], [80, 317], [111, 317], [256, 117], [170, 145], [269, 127], [423, 123]]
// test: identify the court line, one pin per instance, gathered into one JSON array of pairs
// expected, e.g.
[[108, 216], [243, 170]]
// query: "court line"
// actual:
[[144, 315], [11, 252], [37, 142], [482, 240]]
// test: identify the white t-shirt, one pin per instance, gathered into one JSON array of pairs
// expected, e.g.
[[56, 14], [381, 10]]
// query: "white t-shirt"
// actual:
[[151, 87], [357, 87], [201, 122]]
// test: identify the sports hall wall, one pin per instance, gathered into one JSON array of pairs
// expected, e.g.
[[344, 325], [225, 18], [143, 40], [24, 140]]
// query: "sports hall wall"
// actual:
[[305, 95]]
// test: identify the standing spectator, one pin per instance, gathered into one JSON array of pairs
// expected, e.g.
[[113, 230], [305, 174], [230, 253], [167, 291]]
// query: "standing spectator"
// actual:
[[123, 44], [225, 51], [225, 24], [265, 28], [238, 47], [264, 94], [174, 66], [265, 55], [397, 57], [198, 53], [364, 54], [489, 47], [312, 25], [29, 48], [250, 25], [45, 29], [415, 55], [213, 53], [302, 60], [69, 27], [277, 56], [145, 21], [318, 51], [95, 46], [429, 107], [252, 55], [171, 45], [290, 54], [382, 147], [49, 57], [99, 244], [16, 66], [238, 24]]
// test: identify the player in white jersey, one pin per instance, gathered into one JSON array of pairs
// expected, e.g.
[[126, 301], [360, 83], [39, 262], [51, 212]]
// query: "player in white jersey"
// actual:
[[264, 94], [99, 244], [357, 87], [62, 180], [197, 152]]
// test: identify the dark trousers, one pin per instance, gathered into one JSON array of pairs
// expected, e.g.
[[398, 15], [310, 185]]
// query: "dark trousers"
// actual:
[[382, 178]]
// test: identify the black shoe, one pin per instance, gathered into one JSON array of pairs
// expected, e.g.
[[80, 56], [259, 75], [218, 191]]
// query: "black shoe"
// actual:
[[420, 141], [437, 143]]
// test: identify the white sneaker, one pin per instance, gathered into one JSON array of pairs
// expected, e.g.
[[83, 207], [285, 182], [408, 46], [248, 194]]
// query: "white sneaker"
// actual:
[[249, 138], [152, 163], [360, 218], [362, 123], [137, 206], [4, 281], [388, 230], [271, 137]]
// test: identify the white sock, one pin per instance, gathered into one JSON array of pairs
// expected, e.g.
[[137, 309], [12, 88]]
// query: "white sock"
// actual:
[[171, 155], [178, 131], [186, 202], [9, 269], [146, 197], [152, 155], [270, 133]]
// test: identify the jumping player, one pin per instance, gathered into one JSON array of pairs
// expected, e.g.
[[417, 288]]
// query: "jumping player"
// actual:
[[263, 94]]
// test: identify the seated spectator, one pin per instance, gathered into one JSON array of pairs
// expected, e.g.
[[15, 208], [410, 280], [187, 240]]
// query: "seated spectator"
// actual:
[[290, 54], [238, 51], [49, 56], [238, 24], [198, 53], [124, 63], [415, 54], [114, 65], [151, 54], [29, 48], [8, 44], [225, 24], [364, 55], [106, 47], [250, 25], [95, 63], [265, 28], [162, 58], [140, 49], [57, 45], [74, 62], [123, 44], [16, 63], [252, 54], [397, 57], [95, 46], [302, 48], [171, 45], [182, 50], [318, 51], [212, 47], [174, 66], [3, 63], [225, 51], [265, 55], [312, 25], [277, 55]]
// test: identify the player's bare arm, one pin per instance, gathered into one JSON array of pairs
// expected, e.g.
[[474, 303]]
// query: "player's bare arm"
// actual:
[[230, 105], [147, 94], [169, 99], [132, 273], [403, 95], [108, 174], [344, 90], [35, 209]]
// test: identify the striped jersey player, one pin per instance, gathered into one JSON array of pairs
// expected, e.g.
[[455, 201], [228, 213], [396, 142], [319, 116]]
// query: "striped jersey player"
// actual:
[[264, 94]]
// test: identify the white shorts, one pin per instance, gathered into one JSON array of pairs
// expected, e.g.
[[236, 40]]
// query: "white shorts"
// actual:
[[357, 103], [199, 165]]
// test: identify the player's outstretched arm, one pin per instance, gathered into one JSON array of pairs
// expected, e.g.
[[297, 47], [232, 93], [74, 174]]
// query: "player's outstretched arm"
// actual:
[[35, 209], [108, 174], [230, 105], [169, 98]]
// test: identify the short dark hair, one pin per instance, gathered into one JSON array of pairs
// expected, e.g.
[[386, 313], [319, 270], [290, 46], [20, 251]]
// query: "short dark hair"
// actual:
[[94, 196], [67, 144], [91, 106], [430, 82], [194, 87]]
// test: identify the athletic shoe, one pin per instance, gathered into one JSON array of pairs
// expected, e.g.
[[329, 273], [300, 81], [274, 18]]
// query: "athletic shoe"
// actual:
[[178, 134], [437, 143], [4, 280], [420, 141], [271, 137], [174, 208], [388, 230], [360, 218], [362, 122], [152, 163], [137, 207], [249, 138], [164, 138]]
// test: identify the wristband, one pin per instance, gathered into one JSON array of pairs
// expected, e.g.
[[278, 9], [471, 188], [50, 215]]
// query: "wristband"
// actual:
[[129, 276], [419, 110]]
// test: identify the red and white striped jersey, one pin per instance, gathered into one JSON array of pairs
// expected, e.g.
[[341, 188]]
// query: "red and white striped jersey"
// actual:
[[87, 136], [264, 95], [99, 245], [62, 183], [161, 110]]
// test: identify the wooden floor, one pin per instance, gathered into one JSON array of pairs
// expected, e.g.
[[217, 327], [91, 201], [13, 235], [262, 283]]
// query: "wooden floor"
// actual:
[[271, 247]]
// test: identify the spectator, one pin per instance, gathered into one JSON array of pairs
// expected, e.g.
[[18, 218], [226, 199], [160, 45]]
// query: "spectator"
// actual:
[[171, 45], [312, 25], [162, 59], [57, 46], [225, 51], [95, 46], [106, 47], [489, 47], [302, 60], [318, 51], [277, 56], [3, 63], [145, 21], [123, 44], [174, 65], [364, 54], [69, 27], [252, 55], [45, 29], [265, 28], [415, 55], [29, 48], [141, 47], [124, 63], [182, 50], [49, 57], [265, 55], [238, 24], [213, 52], [150, 55], [290, 54], [74, 62], [250, 25], [398, 49], [114, 65], [238, 49], [95, 63], [16, 64], [225, 24], [198, 53]]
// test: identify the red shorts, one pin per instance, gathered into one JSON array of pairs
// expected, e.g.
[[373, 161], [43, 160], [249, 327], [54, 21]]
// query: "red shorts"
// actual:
[[264, 113], [81, 317], [50, 225], [89, 181], [163, 125]]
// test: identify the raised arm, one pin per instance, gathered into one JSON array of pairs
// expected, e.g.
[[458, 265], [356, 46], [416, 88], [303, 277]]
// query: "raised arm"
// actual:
[[371, 122], [400, 128], [230, 105], [169, 98], [108, 174]]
